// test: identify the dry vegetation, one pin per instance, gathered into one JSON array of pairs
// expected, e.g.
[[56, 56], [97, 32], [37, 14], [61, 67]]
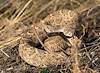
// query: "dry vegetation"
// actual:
[[17, 16]]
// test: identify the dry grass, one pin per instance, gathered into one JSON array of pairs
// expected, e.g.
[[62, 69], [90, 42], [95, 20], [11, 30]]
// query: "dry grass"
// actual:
[[26, 12]]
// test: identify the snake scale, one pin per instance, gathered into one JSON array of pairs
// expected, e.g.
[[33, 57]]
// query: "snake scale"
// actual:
[[36, 46], [51, 52]]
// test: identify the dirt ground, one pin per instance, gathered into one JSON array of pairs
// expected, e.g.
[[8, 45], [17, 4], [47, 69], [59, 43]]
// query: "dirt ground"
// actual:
[[20, 12]]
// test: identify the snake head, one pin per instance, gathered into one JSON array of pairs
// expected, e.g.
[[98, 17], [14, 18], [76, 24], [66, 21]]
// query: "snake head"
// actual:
[[61, 21]]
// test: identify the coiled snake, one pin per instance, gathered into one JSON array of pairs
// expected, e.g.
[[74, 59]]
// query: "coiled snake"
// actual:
[[51, 51], [37, 47]]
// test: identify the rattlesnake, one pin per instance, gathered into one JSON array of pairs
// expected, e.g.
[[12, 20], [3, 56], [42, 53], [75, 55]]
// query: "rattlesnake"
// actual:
[[52, 51], [36, 46]]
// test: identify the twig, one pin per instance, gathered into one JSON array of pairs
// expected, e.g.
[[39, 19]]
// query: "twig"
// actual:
[[9, 42], [19, 14], [37, 36], [74, 56], [4, 53]]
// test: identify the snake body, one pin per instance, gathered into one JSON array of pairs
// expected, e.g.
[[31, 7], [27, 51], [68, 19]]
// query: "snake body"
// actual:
[[60, 21]]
